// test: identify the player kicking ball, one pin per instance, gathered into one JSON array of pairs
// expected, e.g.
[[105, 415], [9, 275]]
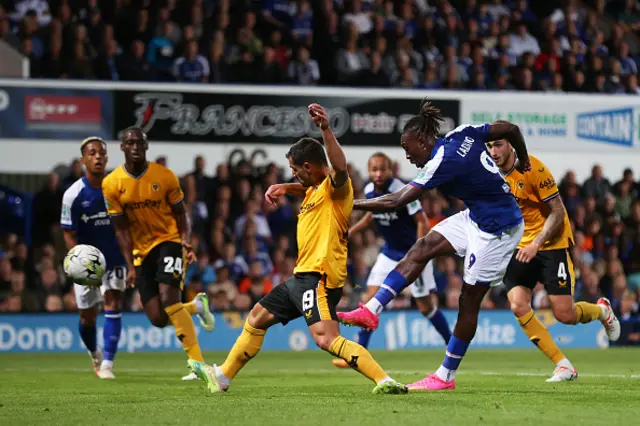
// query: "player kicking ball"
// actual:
[[321, 269], [153, 229], [544, 255], [85, 221], [399, 230], [485, 234]]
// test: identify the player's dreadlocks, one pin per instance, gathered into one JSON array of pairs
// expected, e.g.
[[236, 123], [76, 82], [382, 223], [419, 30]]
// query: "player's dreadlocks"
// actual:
[[425, 125]]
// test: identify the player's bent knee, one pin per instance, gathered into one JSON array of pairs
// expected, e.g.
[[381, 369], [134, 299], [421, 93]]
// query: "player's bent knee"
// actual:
[[88, 317], [260, 318], [324, 341], [113, 300], [519, 308], [159, 321]]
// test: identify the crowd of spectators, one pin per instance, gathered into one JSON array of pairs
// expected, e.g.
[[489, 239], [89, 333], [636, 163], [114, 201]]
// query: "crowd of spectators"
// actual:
[[566, 45], [246, 247]]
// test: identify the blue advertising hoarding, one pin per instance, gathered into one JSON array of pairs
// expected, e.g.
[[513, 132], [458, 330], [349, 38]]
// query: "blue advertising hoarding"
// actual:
[[48, 113], [398, 330]]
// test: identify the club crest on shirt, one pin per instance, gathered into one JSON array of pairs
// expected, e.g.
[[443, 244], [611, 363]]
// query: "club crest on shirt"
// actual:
[[155, 187], [521, 184]]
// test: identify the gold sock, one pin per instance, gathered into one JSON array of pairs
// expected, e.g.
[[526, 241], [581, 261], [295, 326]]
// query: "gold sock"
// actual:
[[185, 330], [246, 347], [540, 336], [358, 358], [587, 312], [190, 308]]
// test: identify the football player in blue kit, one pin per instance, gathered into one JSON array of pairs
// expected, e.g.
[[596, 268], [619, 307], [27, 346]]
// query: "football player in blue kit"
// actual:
[[485, 234], [400, 230], [85, 221]]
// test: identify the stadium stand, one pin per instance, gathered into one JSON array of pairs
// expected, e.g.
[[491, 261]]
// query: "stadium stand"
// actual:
[[589, 46]]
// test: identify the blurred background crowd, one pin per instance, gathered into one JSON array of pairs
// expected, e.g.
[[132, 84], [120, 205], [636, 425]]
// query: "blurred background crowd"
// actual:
[[246, 247], [562, 45]]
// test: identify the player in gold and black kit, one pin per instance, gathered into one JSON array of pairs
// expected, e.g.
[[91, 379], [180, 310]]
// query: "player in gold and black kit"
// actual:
[[544, 255], [146, 206], [321, 269]]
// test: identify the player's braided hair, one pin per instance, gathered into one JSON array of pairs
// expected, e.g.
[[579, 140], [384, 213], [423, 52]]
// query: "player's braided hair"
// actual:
[[425, 125]]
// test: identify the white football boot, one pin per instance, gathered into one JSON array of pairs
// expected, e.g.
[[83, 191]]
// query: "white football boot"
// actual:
[[563, 374], [609, 320]]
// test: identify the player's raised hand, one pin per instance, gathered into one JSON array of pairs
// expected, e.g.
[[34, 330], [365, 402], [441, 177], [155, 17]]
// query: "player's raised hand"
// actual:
[[191, 255], [131, 277], [319, 116], [274, 193], [526, 254]]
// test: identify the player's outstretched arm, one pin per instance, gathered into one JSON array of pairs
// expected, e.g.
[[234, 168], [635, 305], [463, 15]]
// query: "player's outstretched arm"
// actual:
[[390, 202], [184, 228], [502, 129], [552, 227], [281, 189], [336, 156], [362, 223]]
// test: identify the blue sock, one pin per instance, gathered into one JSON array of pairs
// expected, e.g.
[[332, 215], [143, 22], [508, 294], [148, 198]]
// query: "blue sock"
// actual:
[[111, 333], [440, 323], [363, 337], [88, 335], [392, 286], [455, 352]]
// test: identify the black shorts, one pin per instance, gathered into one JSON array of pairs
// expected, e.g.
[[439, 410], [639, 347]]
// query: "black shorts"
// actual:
[[553, 268], [304, 294], [163, 264]]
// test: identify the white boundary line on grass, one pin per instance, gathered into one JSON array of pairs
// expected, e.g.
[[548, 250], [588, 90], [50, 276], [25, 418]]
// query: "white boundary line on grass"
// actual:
[[316, 371]]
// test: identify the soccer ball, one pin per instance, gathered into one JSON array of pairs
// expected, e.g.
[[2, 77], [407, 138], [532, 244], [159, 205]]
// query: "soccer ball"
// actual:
[[85, 265]]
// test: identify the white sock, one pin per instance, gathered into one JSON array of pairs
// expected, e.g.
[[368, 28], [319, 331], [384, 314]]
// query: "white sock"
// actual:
[[445, 374], [107, 364], [199, 306], [386, 379], [604, 312], [220, 375], [564, 362], [374, 306]]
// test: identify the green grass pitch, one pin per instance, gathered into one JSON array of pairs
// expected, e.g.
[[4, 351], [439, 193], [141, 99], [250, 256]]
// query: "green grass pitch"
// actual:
[[288, 388]]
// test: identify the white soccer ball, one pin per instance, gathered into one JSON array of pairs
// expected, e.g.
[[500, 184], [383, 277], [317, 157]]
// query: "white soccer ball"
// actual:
[[85, 265]]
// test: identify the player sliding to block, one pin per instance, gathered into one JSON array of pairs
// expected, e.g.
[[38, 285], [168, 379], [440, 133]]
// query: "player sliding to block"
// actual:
[[84, 220], [321, 269], [485, 234], [153, 229], [544, 256], [399, 230]]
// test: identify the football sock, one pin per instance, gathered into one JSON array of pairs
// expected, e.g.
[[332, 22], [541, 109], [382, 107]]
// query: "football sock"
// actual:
[[246, 347], [358, 358], [587, 312], [440, 323], [185, 330], [363, 337], [392, 286], [455, 352], [540, 336], [89, 337], [111, 333]]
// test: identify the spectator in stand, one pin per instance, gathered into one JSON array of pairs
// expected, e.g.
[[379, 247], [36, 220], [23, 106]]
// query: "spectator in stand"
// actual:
[[304, 71], [235, 264], [522, 41], [250, 254], [277, 13], [39, 8], [256, 283], [160, 51], [201, 271], [46, 210], [302, 22], [192, 67], [357, 16], [269, 70], [351, 62], [597, 186], [136, 67], [108, 64]]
